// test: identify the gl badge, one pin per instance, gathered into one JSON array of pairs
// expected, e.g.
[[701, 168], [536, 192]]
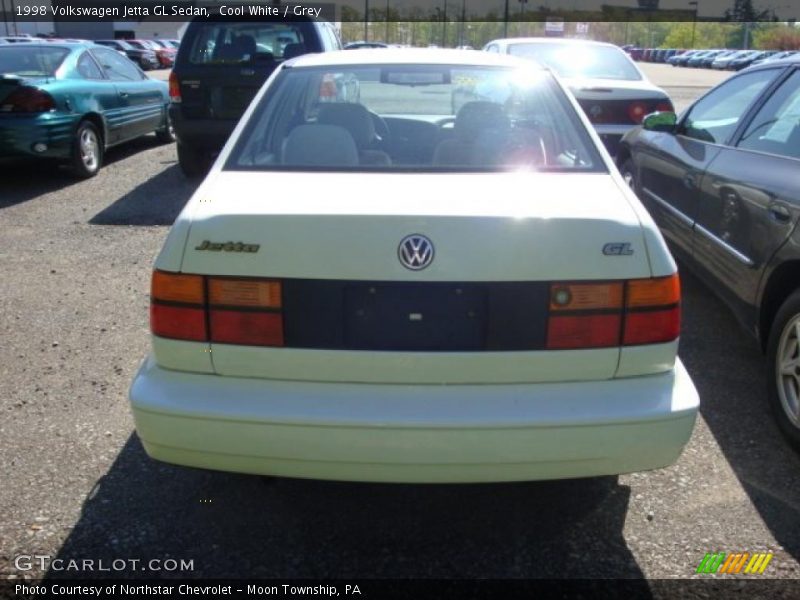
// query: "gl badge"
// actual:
[[415, 252]]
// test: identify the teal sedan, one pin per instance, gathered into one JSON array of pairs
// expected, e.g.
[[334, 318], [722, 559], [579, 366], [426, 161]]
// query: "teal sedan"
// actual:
[[72, 101]]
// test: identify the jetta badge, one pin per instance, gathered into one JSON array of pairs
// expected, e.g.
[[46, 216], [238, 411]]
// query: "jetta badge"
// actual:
[[415, 252]]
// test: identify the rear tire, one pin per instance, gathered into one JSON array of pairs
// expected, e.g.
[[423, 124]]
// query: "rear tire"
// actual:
[[166, 135], [783, 369], [629, 175], [194, 163], [87, 151]]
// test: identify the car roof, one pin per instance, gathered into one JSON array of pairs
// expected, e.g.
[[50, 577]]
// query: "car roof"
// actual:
[[405, 56], [794, 59], [66, 45], [554, 40]]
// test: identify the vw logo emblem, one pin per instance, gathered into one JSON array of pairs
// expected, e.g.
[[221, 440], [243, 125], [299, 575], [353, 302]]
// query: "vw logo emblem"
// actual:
[[415, 252], [596, 110]]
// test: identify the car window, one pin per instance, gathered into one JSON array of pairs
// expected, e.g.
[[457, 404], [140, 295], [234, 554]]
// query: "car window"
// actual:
[[776, 126], [88, 68], [715, 117], [116, 66], [225, 42], [419, 117], [493, 48], [35, 61], [579, 60]]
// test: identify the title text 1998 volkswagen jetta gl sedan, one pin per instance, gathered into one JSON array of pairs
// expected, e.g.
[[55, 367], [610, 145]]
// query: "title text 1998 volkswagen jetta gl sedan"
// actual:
[[382, 290]]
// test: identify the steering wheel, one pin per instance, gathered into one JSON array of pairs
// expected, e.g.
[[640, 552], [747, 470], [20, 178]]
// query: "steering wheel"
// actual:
[[381, 128]]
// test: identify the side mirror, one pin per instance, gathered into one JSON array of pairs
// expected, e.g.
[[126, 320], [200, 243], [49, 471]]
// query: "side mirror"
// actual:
[[660, 121]]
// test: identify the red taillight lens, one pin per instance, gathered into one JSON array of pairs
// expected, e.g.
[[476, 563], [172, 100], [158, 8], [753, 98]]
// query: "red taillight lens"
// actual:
[[28, 100], [178, 322], [246, 327], [665, 106], [637, 111], [652, 326], [584, 331], [174, 88]]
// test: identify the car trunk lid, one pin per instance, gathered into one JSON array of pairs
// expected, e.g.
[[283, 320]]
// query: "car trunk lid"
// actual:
[[351, 311]]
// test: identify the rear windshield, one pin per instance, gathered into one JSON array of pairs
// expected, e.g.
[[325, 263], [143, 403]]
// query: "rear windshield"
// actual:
[[421, 118], [31, 61], [579, 60], [247, 42]]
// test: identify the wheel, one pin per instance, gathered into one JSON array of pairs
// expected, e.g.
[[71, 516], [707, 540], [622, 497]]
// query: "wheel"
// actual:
[[783, 369], [194, 163], [87, 151], [628, 174], [166, 135]]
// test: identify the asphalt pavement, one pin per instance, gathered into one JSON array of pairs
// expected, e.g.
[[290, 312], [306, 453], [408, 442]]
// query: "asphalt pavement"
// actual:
[[76, 483]]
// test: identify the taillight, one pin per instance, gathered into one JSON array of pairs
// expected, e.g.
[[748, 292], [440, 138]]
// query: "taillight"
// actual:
[[652, 311], [637, 111], [245, 311], [178, 306], [28, 100], [665, 106], [216, 309], [602, 315], [174, 88]]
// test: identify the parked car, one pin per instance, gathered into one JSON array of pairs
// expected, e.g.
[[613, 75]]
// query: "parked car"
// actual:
[[145, 58], [71, 102], [164, 53], [608, 85], [708, 60], [682, 59], [694, 60], [775, 56], [17, 39], [722, 62], [636, 54], [422, 357], [745, 60], [220, 66], [362, 45], [722, 184]]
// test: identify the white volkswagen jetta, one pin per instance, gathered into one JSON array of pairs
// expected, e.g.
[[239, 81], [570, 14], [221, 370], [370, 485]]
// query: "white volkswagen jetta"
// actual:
[[369, 287]]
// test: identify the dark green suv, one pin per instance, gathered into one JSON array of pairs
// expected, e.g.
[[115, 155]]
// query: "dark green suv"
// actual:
[[221, 65]]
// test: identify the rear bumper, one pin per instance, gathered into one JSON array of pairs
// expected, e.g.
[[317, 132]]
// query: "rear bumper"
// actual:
[[419, 433], [206, 134], [19, 134], [611, 135]]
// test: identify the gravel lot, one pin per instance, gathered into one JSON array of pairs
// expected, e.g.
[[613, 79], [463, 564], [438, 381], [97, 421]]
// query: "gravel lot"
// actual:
[[76, 483]]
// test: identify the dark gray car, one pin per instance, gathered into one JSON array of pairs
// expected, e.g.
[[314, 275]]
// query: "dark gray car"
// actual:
[[723, 183]]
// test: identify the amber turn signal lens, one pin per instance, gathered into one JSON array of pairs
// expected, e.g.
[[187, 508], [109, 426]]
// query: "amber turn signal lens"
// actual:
[[177, 287], [663, 291], [244, 292], [585, 296]]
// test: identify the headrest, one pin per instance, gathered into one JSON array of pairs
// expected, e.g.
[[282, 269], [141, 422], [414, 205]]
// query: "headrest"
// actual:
[[320, 146], [475, 117], [353, 117], [292, 50]]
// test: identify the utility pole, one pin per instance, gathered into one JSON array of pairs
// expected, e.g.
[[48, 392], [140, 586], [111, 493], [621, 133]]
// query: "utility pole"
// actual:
[[366, 20], [694, 3], [444, 25], [387, 22], [505, 21]]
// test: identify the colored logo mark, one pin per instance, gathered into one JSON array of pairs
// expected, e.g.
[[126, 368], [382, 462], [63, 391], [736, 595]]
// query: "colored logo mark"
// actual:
[[739, 562]]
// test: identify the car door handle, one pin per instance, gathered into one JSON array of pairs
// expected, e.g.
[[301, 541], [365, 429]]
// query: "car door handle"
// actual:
[[690, 180], [123, 94], [779, 213]]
